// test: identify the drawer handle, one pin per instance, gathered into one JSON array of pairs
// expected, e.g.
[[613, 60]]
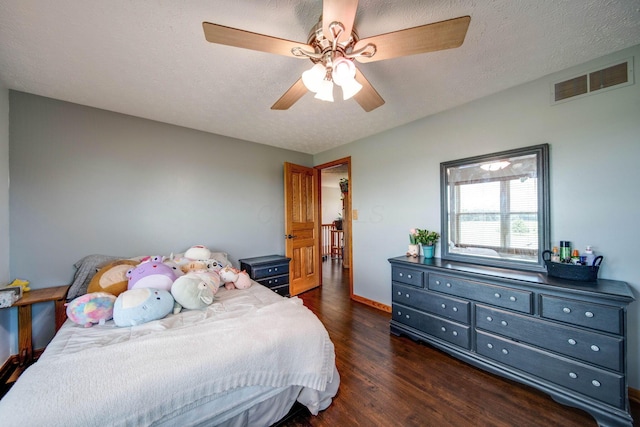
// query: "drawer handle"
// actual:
[[573, 375], [443, 305], [489, 345], [596, 383], [503, 323], [455, 333], [408, 276], [448, 285], [572, 341], [566, 310], [455, 309], [588, 314], [437, 282], [443, 329], [513, 299], [270, 270], [407, 316], [407, 295], [399, 293], [489, 319], [497, 295], [505, 351], [595, 348]]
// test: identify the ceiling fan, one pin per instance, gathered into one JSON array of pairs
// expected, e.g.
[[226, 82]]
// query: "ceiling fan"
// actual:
[[333, 45]]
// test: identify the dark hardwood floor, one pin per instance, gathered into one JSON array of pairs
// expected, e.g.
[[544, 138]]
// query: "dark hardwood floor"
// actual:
[[394, 381]]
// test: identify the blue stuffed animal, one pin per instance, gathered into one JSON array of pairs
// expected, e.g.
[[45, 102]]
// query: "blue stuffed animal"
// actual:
[[141, 305]]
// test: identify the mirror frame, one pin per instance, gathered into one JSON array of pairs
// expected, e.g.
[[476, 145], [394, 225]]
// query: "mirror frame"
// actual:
[[544, 228]]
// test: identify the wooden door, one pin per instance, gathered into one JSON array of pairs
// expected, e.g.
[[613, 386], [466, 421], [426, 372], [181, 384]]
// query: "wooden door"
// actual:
[[302, 224]]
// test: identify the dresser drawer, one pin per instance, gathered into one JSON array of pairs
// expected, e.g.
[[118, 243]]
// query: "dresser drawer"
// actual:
[[446, 330], [441, 305], [281, 290], [602, 385], [593, 316], [272, 282], [272, 270], [591, 347], [407, 276], [513, 299]]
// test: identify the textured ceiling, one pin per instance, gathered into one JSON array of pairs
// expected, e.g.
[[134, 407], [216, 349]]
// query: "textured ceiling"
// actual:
[[150, 59]]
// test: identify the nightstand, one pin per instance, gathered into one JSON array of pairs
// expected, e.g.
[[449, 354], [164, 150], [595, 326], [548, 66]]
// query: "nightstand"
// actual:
[[271, 271], [25, 355]]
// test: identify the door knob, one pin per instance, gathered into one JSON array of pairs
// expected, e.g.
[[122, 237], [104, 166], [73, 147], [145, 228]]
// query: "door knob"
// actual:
[[290, 236]]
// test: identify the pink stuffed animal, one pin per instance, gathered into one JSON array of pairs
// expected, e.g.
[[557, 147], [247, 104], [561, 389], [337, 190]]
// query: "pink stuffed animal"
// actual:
[[234, 278]]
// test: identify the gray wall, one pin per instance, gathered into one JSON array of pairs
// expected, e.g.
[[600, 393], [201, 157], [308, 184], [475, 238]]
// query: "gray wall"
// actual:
[[595, 151], [5, 315], [87, 181]]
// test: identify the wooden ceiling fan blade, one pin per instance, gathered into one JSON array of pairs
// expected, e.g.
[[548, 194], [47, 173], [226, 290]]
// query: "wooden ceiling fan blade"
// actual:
[[426, 38], [291, 96], [368, 98], [220, 34], [343, 11]]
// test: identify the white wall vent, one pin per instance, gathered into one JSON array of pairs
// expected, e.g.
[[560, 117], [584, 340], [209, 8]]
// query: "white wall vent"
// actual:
[[611, 77]]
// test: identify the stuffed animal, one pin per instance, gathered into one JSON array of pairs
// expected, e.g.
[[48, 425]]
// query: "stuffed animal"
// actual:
[[193, 266], [234, 278], [217, 262], [141, 305], [198, 253], [24, 284], [194, 290], [91, 308], [175, 266], [151, 274], [112, 278]]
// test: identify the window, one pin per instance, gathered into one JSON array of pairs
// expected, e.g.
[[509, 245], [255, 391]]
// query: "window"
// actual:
[[495, 208]]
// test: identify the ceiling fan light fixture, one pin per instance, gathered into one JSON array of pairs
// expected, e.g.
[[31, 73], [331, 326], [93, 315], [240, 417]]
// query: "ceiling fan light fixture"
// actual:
[[350, 88], [313, 77], [343, 71], [325, 92]]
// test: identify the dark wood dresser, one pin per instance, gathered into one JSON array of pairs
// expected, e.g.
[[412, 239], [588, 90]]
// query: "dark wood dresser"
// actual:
[[565, 338], [271, 271]]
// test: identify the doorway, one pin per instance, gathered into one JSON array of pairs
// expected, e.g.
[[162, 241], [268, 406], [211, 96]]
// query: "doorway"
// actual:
[[335, 207]]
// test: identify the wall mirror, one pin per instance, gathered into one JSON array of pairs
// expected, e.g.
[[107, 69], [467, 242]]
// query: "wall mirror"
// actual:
[[495, 208]]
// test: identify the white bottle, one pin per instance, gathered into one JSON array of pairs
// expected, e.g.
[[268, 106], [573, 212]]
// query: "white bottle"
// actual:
[[590, 255]]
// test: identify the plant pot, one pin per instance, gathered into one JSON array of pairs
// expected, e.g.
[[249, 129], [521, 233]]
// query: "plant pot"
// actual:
[[428, 251]]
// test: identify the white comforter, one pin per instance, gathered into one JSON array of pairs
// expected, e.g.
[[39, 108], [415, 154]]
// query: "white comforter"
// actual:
[[140, 375]]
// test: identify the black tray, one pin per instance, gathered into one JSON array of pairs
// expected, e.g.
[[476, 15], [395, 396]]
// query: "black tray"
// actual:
[[584, 273]]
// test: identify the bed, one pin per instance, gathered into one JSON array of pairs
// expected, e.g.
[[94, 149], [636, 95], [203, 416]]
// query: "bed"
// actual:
[[243, 360]]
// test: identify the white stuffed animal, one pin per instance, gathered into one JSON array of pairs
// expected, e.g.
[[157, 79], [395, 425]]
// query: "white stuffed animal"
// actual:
[[198, 253], [234, 278]]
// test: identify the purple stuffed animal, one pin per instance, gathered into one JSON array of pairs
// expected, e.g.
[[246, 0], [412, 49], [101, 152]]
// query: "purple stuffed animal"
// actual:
[[151, 274]]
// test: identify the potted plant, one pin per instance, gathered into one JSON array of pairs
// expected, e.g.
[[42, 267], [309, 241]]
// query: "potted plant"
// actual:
[[337, 223], [428, 240], [414, 247], [344, 185]]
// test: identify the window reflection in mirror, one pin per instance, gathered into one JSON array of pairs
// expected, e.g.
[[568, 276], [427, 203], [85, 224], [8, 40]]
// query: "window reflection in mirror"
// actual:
[[495, 208]]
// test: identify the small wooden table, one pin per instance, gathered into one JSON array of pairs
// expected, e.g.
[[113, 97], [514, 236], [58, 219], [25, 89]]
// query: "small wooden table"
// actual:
[[56, 294]]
